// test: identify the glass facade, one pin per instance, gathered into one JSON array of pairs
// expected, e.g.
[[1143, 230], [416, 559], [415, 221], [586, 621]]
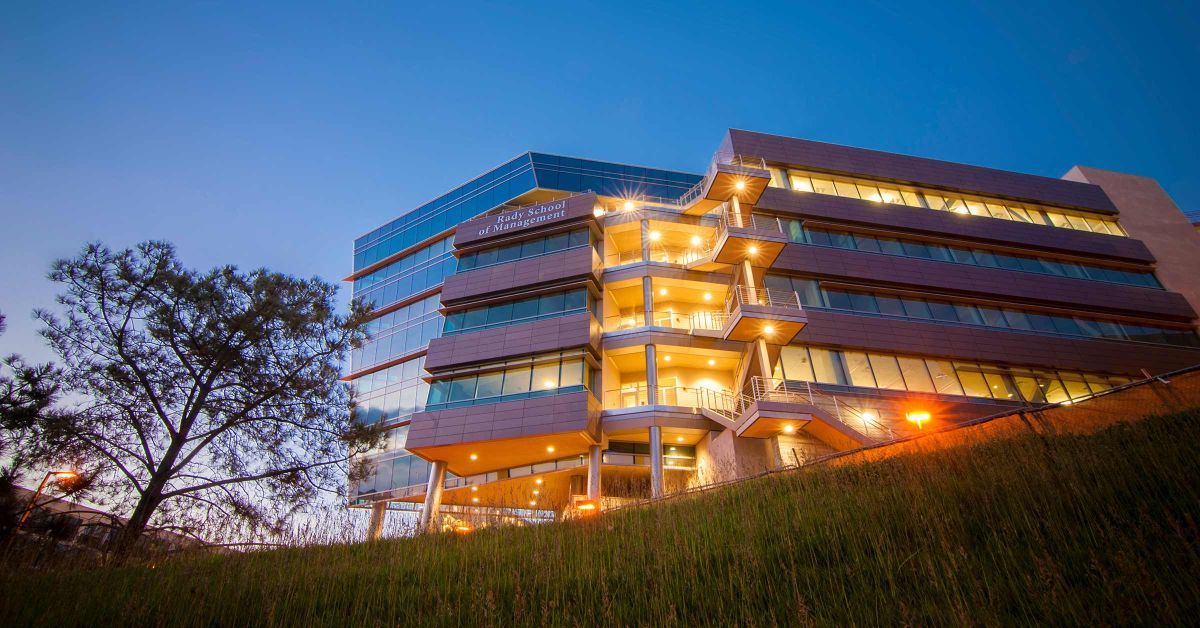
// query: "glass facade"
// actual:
[[813, 295], [508, 181], [904, 247], [525, 249], [942, 200], [399, 333], [525, 378], [393, 394], [524, 310], [939, 376]]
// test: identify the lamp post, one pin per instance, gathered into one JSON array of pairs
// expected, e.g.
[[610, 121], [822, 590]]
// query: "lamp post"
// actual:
[[40, 488]]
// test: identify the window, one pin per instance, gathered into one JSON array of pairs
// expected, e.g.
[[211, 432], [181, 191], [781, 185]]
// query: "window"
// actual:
[[944, 380], [515, 312], [796, 364], [887, 372], [524, 249], [916, 376], [858, 369], [548, 374], [972, 380], [827, 366]]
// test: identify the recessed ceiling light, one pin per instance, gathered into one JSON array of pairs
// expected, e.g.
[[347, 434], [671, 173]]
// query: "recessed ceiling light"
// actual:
[[696, 240], [666, 358], [475, 499], [712, 362], [789, 429], [655, 236], [538, 481], [740, 185], [474, 489], [628, 206], [753, 250], [679, 439], [708, 296], [474, 456], [662, 292], [550, 449]]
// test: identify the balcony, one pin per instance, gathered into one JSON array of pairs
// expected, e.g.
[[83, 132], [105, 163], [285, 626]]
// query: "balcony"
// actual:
[[773, 315], [743, 235], [729, 175], [704, 323]]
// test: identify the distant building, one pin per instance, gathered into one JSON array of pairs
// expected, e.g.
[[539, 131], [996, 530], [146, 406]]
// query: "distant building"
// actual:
[[559, 328]]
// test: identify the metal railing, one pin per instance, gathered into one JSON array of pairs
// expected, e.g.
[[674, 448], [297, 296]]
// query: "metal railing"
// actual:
[[728, 218], [724, 402], [707, 320], [769, 297], [864, 421], [741, 163]]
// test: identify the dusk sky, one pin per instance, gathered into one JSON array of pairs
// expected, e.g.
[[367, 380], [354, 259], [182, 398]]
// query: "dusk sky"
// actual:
[[273, 135]]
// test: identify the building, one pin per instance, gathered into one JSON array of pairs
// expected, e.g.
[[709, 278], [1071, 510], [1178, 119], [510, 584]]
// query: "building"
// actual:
[[559, 331]]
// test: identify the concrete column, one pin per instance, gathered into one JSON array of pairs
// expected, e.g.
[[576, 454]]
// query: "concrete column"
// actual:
[[593, 478], [431, 513], [747, 274], [656, 462], [375, 529], [764, 360], [651, 374], [648, 300], [735, 208], [645, 240]]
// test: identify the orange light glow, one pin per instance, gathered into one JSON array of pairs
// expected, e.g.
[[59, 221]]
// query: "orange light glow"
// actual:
[[655, 236], [753, 250], [598, 212], [708, 296], [588, 506], [474, 456], [740, 185], [917, 416], [462, 527], [628, 206], [550, 449], [769, 329], [696, 240]]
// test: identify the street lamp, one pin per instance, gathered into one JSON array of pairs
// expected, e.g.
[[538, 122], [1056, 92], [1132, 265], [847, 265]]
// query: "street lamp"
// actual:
[[33, 500]]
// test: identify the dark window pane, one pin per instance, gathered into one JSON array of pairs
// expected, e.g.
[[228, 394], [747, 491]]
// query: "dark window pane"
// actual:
[[579, 237], [1066, 325], [916, 308], [508, 253], [962, 256], [499, 313], [985, 258], [943, 311], [838, 299], [819, 237], [575, 300], [841, 239], [453, 321], [556, 242], [486, 257], [551, 303], [525, 308], [916, 249], [536, 246], [475, 317], [968, 314], [462, 388], [891, 246], [863, 302], [866, 243], [890, 305], [1008, 262], [1041, 322], [1017, 320]]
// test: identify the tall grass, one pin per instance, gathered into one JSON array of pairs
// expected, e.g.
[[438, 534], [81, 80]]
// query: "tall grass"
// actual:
[[1096, 529]]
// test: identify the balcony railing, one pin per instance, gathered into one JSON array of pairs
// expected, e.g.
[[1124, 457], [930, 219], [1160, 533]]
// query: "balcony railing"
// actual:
[[860, 420], [638, 395], [708, 321], [739, 163], [767, 297], [748, 220]]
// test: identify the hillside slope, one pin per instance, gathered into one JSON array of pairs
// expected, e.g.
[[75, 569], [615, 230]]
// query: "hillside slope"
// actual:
[[1098, 528]]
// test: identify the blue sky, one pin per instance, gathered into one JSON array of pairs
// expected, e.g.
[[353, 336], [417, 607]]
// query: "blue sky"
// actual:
[[273, 135]]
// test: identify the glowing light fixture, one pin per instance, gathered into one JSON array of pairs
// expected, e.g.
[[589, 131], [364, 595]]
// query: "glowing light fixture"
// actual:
[[536, 492], [869, 415], [789, 429], [712, 362], [538, 481], [769, 329], [696, 241], [753, 250], [550, 449], [588, 506], [475, 500], [740, 185], [533, 502], [474, 489], [598, 212], [917, 416], [462, 527], [655, 236], [679, 439], [708, 296], [628, 206], [474, 456], [666, 358], [549, 383], [662, 292]]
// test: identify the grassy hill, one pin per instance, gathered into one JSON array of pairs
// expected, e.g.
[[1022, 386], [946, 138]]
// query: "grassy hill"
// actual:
[[1095, 529]]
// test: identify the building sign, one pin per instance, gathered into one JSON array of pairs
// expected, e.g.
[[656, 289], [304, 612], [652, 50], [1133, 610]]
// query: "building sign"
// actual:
[[539, 215]]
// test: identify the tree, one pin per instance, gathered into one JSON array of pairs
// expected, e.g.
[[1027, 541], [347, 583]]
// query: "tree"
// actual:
[[201, 398]]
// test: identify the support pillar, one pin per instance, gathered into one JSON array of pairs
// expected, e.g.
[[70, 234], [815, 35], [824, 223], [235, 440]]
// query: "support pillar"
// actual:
[[375, 529], [645, 240], [764, 360], [647, 301], [651, 375], [593, 477], [735, 208], [656, 462], [431, 512]]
